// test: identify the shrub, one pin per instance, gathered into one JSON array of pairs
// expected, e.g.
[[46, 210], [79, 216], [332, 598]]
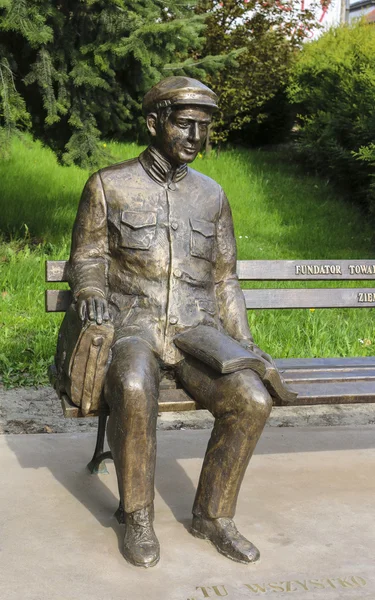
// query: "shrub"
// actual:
[[264, 35], [333, 88]]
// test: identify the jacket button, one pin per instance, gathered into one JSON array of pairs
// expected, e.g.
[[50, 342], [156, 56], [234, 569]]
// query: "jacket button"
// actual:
[[177, 273], [173, 320], [174, 225]]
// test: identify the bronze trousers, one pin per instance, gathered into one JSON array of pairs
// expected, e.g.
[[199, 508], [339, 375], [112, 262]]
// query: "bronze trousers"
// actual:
[[239, 402]]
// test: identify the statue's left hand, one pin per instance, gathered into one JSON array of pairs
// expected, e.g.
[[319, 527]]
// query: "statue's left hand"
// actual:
[[257, 350]]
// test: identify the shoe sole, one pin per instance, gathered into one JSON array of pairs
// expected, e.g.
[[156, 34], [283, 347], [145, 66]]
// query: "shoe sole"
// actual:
[[202, 536], [145, 566]]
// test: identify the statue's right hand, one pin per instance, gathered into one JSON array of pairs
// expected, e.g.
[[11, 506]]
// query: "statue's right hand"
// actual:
[[93, 307]]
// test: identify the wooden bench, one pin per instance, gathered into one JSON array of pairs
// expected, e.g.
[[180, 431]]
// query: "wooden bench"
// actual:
[[317, 380]]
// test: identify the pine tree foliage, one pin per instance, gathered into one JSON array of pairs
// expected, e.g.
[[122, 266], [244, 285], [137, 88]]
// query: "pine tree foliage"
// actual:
[[76, 70], [12, 106], [266, 35]]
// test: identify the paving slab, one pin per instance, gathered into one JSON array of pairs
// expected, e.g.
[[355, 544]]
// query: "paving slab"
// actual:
[[307, 501]]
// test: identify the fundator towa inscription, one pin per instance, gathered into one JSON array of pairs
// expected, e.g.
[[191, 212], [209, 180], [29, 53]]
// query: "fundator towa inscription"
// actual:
[[319, 269]]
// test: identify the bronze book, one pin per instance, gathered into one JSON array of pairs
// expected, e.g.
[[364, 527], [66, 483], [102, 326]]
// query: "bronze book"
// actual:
[[226, 355]]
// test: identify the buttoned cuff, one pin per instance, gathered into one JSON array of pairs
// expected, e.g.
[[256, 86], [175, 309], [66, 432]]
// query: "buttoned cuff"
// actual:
[[94, 291]]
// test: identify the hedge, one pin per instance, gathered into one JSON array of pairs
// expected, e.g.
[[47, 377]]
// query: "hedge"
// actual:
[[333, 89]]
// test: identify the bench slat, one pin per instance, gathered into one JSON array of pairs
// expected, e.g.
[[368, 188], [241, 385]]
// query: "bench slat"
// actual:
[[318, 364], [300, 376], [300, 270], [270, 270], [60, 300], [348, 392], [312, 364], [56, 270], [310, 298], [169, 401]]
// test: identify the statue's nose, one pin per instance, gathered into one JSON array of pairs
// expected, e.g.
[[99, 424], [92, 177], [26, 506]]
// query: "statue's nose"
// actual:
[[194, 132]]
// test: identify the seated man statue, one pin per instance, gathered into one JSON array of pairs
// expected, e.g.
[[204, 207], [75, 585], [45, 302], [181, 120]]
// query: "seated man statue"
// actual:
[[153, 251]]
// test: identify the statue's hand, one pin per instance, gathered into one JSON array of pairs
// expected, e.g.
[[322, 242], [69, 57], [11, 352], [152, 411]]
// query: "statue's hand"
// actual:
[[93, 307], [257, 350]]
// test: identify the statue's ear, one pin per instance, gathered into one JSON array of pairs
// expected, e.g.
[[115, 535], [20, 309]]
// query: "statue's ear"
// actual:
[[151, 122]]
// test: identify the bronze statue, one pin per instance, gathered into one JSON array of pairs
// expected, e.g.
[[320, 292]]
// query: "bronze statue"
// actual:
[[153, 251]]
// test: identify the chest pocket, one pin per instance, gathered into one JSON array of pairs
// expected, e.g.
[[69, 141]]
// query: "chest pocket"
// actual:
[[202, 239], [137, 229]]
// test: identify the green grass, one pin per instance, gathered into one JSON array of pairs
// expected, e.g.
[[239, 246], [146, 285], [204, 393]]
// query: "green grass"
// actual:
[[39, 198], [278, 213]]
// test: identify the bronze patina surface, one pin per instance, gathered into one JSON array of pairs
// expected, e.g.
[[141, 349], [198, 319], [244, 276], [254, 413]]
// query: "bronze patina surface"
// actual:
[[153, 251]]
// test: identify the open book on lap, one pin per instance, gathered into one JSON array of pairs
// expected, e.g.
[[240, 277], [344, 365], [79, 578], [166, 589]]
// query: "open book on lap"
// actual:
[[226, 355]]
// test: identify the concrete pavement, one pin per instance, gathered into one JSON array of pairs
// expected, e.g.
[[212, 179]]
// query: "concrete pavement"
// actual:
[[307, 501]]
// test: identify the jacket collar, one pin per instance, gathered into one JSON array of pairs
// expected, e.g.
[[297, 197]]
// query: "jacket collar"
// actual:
[[159, 168]]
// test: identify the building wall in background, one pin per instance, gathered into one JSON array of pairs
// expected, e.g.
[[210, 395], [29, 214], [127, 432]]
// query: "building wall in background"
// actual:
[[362, 8], [332, 15]]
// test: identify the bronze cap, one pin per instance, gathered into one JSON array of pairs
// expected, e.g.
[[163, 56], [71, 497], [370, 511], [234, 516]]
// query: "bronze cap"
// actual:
[[180, 90]]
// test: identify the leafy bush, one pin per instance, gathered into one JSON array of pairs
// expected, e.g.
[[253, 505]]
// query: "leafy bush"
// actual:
[[265, 36], [271, 126], [333, 87]]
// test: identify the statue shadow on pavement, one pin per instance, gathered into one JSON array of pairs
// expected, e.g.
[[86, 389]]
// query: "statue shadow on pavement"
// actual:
[[65, 456]]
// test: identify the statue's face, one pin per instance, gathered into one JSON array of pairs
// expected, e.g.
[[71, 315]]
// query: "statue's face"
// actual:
[[180, 135]]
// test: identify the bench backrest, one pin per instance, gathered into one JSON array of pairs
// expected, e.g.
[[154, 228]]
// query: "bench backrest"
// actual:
[[269, 270]]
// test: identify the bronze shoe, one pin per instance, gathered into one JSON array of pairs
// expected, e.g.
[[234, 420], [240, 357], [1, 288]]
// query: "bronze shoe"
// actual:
[[226, 538], [141, 546]]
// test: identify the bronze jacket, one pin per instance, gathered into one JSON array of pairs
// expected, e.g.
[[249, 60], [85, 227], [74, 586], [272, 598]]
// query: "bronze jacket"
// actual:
[[159, 245]]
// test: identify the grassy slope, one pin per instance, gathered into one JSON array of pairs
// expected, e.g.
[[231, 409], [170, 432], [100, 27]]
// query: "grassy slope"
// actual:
[[278, 213]]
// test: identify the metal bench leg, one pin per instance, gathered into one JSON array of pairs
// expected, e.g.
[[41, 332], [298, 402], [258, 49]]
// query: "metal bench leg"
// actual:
[[97, 464]]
